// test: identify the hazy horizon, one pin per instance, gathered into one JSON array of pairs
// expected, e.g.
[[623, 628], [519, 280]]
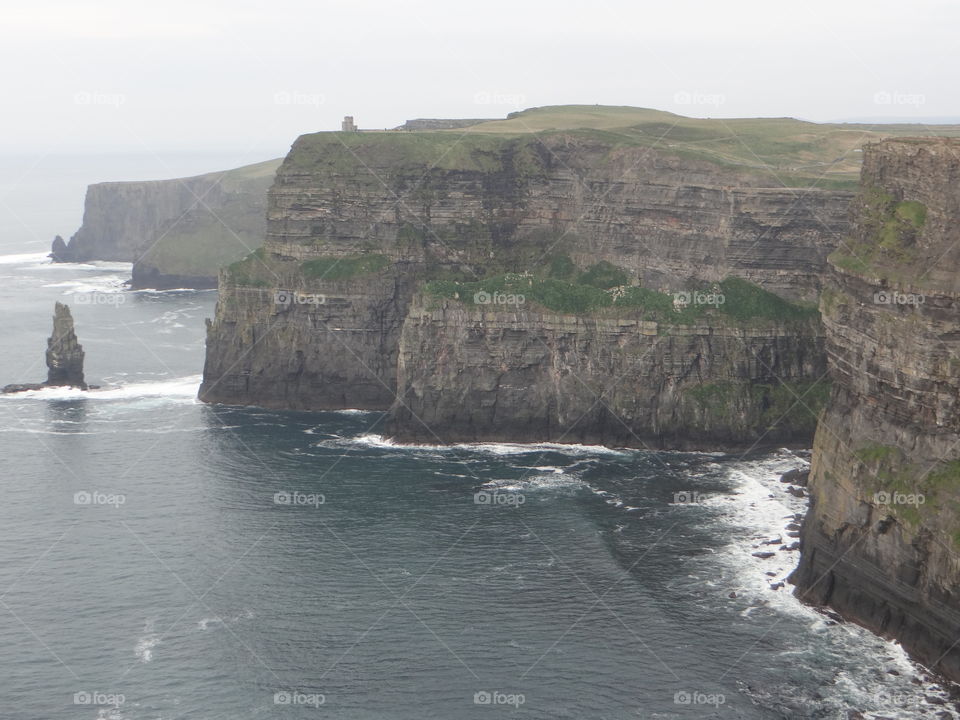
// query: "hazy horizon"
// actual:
[[108, 77]]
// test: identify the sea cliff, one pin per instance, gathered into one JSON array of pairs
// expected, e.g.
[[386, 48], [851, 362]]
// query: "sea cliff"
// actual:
[[881, 542], [177, 233], [381, 248]]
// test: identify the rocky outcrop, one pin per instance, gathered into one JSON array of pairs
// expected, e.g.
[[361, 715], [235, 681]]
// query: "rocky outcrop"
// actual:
[[341, 307], [59, 252], [881, 542], [64, 356], [178, 233], [64, 352]]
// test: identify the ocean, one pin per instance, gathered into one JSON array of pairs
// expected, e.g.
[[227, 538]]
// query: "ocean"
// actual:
[[165, 559]]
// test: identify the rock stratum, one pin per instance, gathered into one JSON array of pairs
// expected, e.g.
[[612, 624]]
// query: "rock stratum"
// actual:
[[562, 285], [881, 542], [177, 233]]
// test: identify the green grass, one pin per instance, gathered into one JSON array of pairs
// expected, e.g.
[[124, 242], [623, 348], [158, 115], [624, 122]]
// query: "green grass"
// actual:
[[342, 268], [254, 270], [911, 212], [887, 248], [603, 275], [787, 151], [889, 470], [599, 288], [360, 155], [795, 404], [874, 454], [561, 267], [782, 151]]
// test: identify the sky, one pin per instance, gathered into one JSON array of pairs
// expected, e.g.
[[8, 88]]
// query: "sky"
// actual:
[[245, 77]]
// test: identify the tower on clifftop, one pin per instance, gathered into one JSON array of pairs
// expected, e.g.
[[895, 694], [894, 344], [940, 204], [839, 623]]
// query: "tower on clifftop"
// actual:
[[348, 125]]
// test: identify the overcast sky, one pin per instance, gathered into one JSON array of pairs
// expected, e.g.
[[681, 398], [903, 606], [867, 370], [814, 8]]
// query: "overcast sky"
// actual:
[[246, 76]]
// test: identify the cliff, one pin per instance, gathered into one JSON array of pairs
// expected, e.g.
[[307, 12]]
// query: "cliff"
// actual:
[[881, 542], [178, 233], [377, 243], [625, 379]]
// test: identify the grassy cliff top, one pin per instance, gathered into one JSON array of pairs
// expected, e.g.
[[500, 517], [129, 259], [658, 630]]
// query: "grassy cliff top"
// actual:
[[786, 151], [235, 179]]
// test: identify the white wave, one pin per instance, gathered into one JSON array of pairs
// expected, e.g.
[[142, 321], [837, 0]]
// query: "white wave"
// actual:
[[96, 284], [171, 291], [542, 468], [125, 267], [177, 388], [492, 448], [537, 483], [205, 623], [110, 713], [144, 648], [758, 510], [146, 642], [23, 258], [525, 448], [35, 431]]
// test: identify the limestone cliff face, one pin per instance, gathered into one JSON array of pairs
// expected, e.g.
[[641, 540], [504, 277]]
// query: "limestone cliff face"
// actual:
[[473, 375], [485, 200], [881, 543], [360, 221], [179, 232]]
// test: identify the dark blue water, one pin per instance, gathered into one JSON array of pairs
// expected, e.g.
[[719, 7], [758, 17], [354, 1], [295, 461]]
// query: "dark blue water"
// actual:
[[163, 559]]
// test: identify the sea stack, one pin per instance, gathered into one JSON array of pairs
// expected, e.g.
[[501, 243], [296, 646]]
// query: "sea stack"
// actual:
[[64, 352], [59, 251]]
